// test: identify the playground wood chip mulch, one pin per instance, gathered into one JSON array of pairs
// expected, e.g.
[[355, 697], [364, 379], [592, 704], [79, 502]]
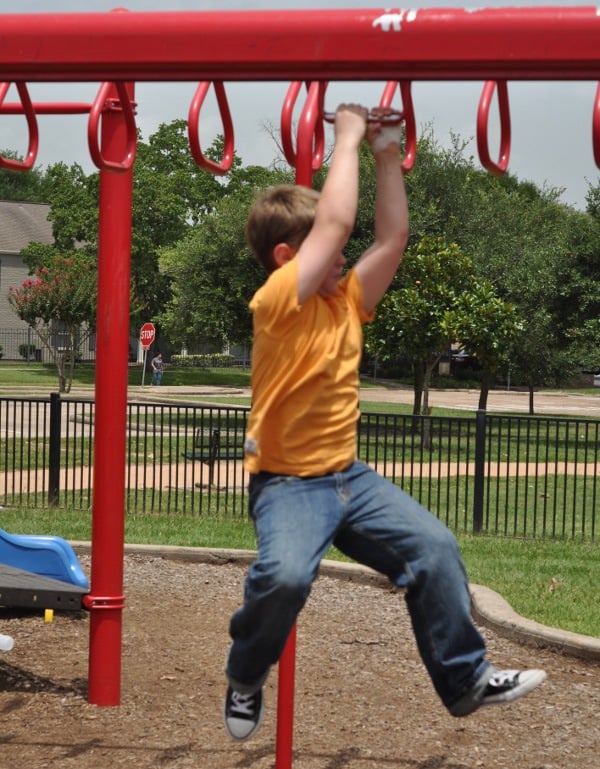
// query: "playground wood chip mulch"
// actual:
[[363, 699]]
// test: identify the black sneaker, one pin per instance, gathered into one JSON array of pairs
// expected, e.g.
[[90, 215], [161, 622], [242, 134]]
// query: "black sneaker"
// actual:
[[243, 713], [509, 685]]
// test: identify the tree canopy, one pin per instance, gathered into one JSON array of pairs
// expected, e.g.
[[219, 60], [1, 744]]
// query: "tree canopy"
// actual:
[[438, 300], [499, 254]]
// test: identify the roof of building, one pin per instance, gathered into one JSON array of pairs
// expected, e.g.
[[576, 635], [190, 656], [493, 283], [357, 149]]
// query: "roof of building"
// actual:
[[23, 223]]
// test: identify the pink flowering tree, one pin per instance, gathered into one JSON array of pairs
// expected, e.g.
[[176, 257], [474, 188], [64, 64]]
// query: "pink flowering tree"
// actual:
[[59, 303]]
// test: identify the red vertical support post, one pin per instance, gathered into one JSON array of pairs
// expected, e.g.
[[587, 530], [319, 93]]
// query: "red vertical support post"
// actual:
[[305, 166], [106, 600], [284, 743]]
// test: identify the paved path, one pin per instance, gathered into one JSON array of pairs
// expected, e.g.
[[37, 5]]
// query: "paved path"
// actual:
[[569, 404], [555, 402], [545, 402]]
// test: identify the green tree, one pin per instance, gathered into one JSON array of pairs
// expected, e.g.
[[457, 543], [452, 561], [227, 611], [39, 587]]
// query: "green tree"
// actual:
[[73, 199], [489, 328], [420, 314], [59, 303], [540, 255], [212, 271], [437, 300], [580, 283], [170, 193], [19, 185]]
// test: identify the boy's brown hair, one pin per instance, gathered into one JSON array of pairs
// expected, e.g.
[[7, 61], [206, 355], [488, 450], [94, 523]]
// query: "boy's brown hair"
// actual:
[[282, 214]]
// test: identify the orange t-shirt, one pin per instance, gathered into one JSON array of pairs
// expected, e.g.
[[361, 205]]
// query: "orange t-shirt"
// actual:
[[305, 361]]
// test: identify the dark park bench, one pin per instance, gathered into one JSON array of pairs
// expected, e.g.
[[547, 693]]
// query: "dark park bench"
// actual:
[[212, 453]]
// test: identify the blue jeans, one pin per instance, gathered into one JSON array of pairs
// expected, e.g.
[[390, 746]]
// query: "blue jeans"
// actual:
[[377, 524]]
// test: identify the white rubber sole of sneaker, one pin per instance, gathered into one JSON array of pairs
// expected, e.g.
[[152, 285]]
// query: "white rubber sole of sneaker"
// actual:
[[243, 728]]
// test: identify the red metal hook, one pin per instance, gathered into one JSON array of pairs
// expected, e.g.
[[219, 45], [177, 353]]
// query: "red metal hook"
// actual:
[[483, 112], [311, 134], [103, 102], [32, 125], [194, 132], [408, 115], [596, 127]]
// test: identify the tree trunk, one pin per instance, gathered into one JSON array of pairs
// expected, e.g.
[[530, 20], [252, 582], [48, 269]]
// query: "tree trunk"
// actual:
[[419, 379], [418, 390], [426, 432], [486, 382], [531, 409]]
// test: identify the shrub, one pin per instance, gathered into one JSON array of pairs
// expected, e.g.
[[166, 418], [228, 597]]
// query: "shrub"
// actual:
[[217, 360], [27, 351]]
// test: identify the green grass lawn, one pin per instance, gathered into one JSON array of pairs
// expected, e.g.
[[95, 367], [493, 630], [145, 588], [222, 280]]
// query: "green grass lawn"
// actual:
[[43, 375], [552, 582]]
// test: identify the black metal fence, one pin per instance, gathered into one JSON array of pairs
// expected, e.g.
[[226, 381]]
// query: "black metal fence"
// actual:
[[23, 345], [516, 476]]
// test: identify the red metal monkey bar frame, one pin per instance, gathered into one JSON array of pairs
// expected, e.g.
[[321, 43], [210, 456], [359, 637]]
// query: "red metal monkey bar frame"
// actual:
[[313, 47]]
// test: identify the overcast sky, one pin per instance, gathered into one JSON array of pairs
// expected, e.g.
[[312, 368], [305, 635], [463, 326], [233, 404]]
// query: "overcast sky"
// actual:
[[551, 121]]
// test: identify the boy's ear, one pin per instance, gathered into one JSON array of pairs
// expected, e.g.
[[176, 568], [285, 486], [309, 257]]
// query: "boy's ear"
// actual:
[[283, 253]]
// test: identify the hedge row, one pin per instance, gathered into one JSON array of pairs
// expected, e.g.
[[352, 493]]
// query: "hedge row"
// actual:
[[217, 360]]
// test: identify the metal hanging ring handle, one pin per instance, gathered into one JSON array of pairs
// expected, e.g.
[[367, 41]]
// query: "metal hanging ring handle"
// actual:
[[224, 166], [392, 119], [101, 103], [483, 112], [596, 127], [32, 126], [310, 128], [408, 115], [287, 110]]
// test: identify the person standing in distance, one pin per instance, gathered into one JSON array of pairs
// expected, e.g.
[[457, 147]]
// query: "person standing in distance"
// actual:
[[157, 369]]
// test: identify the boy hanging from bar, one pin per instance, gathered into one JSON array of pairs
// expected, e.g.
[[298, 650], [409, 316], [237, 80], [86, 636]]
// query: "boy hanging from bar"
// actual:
[[307, 488]]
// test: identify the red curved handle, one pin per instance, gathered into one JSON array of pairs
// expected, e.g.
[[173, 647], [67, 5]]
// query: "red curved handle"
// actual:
[[287, 111], [311, 134], [596, 127], [408, 115], [194, 130], [101, 103], [32, 126], [483, 113]]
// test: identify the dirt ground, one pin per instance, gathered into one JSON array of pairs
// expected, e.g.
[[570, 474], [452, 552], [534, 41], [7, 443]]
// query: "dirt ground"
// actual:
[[363, 700]]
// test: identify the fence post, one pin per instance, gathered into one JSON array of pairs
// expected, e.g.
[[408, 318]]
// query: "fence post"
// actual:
[[54, 451], [479, 470]]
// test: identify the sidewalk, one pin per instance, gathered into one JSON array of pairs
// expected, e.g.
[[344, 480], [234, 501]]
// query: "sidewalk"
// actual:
[[546, 402], [556, 402]]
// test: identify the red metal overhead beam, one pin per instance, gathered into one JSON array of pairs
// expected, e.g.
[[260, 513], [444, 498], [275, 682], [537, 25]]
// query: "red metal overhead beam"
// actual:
[[546, 43]]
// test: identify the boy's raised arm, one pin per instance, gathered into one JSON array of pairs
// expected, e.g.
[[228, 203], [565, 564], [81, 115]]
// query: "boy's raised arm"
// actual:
[[337, 207], [378, 265]]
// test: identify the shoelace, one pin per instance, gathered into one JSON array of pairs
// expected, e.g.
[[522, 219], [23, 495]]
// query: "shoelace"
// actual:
[[242, 704], [504, 678]]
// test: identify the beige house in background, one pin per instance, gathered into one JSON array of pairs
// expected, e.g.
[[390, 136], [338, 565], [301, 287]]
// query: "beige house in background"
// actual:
[[23, 223], [20, 224]]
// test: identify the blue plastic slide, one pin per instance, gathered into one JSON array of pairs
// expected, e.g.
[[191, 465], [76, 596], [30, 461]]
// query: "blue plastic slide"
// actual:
[[44, 555]]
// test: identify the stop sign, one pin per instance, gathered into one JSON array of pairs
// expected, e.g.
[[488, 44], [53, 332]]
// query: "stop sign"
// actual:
[[147, 334]]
